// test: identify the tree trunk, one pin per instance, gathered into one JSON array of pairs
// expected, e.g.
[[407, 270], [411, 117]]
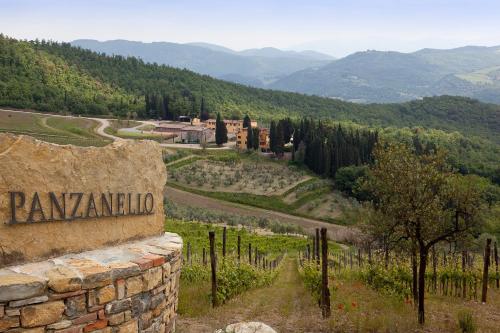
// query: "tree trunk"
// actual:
[[487, 252], [415, 275], [421, 284], [325, 291], [213, 264]]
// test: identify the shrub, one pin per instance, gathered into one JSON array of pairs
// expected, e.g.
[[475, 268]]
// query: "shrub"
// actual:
[[466, 322]]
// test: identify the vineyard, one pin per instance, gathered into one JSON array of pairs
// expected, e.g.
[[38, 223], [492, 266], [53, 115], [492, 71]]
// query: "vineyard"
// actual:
[[244, 260], [472, 277]]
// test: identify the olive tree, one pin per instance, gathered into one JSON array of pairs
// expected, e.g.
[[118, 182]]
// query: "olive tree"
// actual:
[[420, 201]]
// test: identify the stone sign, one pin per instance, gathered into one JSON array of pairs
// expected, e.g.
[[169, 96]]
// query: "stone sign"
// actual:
[[64, 199]]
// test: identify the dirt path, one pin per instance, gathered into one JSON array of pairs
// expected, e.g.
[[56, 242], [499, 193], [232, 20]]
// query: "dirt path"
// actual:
[[335, 232], [285, 306]]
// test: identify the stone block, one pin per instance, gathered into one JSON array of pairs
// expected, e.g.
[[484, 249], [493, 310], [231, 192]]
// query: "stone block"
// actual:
[[56, 296], [91, 298], [145, 320], [13, 312], [143, 263], [86, 170], [28, 301], [15, 286], [157, 300], [27, 330], [72, 329], [101, 314], [134, 285], [60, 325], [152, 278], [42, 314], [97, 325], [128, 315], [63, 279], [118, 306], [128, 327], [123, 270], [157, 260], [106, 294], [85, 318], [76, 306], [93, 274], [167, 269], [120, 288], [140, 304], [8, 323], [116, 319]]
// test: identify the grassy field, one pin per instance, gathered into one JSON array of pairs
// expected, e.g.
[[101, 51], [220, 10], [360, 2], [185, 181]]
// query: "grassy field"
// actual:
[[76, 131], [258, 181]]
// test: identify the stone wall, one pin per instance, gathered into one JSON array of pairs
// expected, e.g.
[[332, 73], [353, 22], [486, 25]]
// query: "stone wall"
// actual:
[[34, 170], [132, 287]]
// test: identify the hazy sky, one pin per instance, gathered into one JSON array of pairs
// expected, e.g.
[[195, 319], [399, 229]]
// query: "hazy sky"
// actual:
[[337, 27]]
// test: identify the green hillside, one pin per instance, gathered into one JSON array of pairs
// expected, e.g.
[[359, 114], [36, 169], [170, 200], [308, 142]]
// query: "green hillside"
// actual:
[[60, 78], [57, 77]]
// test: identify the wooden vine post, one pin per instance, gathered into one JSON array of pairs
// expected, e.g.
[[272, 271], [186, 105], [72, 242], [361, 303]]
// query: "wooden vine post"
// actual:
[[487, 254], [250, 253], [316, 250], [464, 279], [496, 265], [325, 291], [239, 248], [224, 242], [213, 264]]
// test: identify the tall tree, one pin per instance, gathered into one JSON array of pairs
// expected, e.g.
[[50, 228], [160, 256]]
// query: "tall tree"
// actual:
[[272, 136], [249, 137], [279, 143], [256, 138], [421, 202], [203, 110], [220, 131], [247, 122]]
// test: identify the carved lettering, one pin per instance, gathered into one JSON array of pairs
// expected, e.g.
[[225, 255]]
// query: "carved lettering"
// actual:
[[69, 206], [55, 203], [36, 207], [13, 206], [79, 196]]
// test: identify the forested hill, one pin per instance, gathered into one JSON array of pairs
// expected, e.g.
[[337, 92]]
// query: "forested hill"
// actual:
[[60, 78]]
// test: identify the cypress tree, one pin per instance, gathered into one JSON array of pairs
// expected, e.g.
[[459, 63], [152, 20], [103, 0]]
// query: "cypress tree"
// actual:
[[203, 110], [247, 122], [256, 138], [249, 137], [279, 140], [272, 136], [220, 131]]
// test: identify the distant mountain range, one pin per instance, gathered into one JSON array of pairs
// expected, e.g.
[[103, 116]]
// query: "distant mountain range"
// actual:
[[374, 76], [255, 67], [370, 76]]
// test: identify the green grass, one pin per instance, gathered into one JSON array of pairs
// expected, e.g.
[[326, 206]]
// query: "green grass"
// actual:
[[79, 132]]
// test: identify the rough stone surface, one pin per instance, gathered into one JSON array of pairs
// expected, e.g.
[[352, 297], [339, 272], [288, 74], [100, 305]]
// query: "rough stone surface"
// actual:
[[76, 306], [34, 300], [153, 278], [106, 294], [42, 314], [30, 166], [15, 286], [247, 327], [63, 279], [129, 327]]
